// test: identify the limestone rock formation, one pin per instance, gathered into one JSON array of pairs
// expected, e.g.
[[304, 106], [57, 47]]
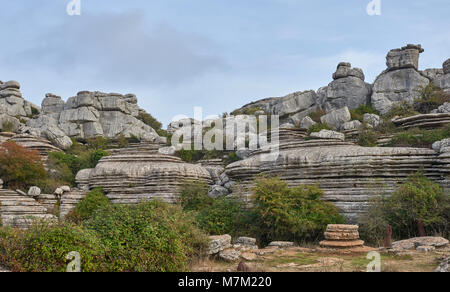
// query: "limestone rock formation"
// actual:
[[326, 134], [132, 175], [350, 176], [90, 115], [218, 243], [428, 121], [372, 120], [342, 236], [443, 80], [401, 81], [347, 89], [19, 211], [444, 266], [307, 123], [69, 201], [337, 118], [41, 145], [413, 243]]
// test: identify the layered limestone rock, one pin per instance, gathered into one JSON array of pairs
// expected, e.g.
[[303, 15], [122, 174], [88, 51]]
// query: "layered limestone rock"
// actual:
[[401, 81], [69, 201], [13, 106], [20, 211], [131, 176], [41, 145], [347, 90], [350, 176], [90, 115], [443, 80], [427, 121], [342, 236]]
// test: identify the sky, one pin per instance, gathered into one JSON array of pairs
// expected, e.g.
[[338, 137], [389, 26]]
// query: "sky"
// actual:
[[216, 54]]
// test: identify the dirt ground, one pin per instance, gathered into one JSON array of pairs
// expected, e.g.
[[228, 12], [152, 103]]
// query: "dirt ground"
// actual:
[[297, 259]]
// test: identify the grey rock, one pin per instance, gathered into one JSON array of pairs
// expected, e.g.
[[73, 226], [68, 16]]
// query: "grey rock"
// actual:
[[52, 105], [443, 109], [395, 86], [1, 183], [248, 241], [425, 249], [34, 192], [441, 146], [432, 73], [443, 81], [350, 91], [217, 191], [345, 70], [244, 153], [82, 178], [372, 120], [353, 125], [287, 126], [337, 118], [405, 57], [281, 244], [230, 255], [307, 123], [171, 150], [420, 241], [446, 67], [58, 192], [224, 178], [218, 243], [326, 134], [65, 189], [444, 266]]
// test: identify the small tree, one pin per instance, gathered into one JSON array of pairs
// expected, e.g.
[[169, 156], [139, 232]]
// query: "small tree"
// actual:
[[20, 167]]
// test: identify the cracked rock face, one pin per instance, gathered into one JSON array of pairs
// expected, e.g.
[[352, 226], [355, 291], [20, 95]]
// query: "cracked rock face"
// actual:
[[90, 115], [405, 57]]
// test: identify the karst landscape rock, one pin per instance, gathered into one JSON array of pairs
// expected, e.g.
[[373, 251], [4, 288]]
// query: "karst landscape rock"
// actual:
[[350, 175]]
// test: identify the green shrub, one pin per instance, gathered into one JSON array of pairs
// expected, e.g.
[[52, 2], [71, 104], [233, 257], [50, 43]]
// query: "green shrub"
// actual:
[[317, 115], [292, 214], [419, 138], [194, 196], [44, 248], [94, 200], [7, 127], [358, 113], [417, 199], [368, 138], [149, 120], [431, 97], [20, 167], [401, 109], [149, 237], [318, 127]]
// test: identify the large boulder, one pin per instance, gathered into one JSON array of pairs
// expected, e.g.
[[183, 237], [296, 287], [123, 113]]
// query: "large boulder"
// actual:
[[405, 57], [443, 80], [218, 243], [337, 118], [347, 89], [401, 81], [396, 86]]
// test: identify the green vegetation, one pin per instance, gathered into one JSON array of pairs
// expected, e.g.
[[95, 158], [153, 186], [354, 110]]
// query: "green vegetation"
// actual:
[[7, 127], [419, 199], [419, 138], [250, 111], [44, 248], [94, 200], [149, 237], [292, 214], [431, 97], [20, 168], [368, 137], [358, 113], [315, 116], [318, 127], [401, 109], [149, 120]]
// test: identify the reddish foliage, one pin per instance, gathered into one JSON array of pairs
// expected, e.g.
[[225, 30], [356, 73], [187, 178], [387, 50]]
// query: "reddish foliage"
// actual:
[[19, 166]]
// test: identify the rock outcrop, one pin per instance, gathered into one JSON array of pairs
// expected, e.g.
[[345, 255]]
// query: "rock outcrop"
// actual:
[[41, 145], [17, 210], [443, 80], [351, 176], [401, 81], [347, 90], [427, 121], [342, 236], [132, 175], [90, 115]]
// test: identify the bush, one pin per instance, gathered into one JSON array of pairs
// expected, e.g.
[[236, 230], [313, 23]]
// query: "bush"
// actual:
[[358, 113], [20, 168], [419, 138], [292, 214], [149, 120], [317, 115], [7, 127], [417, 199], [44, 248], [318, 127], [401, 109], [194, 196], [94, 200], [368, 138], [431, 97], [149, 237]]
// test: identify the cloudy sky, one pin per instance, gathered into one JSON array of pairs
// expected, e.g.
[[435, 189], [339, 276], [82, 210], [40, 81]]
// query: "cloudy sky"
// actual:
[[217, 54]]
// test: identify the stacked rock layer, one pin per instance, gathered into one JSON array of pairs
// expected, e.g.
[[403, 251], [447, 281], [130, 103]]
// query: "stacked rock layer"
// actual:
[[342, 236]]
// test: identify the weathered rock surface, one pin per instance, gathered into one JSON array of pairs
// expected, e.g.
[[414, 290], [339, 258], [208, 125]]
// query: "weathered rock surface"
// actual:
[[281, 244], [41, 145], [446, 67], [134, 175], [413, 243], [307, 123], [34, 192], [427, 121], [69, 201], [444, 266], [218, 243], [90, 115], [372, 120], [342, 236], [348, 89], [19, 211], [405, 57], [337, 118], [351, 176], [327, 134]]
